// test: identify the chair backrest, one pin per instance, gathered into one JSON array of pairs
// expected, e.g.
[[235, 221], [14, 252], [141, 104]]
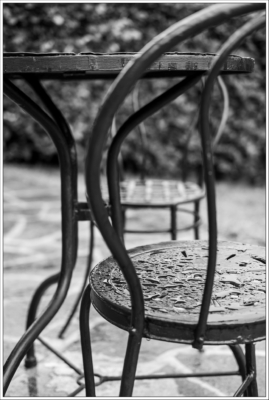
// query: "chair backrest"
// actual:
[[225, 111], [193, 126], [141, 131], [164, 42], [113, 133]]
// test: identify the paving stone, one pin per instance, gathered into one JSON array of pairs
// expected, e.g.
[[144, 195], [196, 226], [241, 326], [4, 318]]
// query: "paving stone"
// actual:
[[32, 253]]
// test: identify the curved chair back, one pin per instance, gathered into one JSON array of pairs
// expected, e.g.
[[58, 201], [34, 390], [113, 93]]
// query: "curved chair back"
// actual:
[[191, 129], [225, 111], [164, 42], [141, 131]]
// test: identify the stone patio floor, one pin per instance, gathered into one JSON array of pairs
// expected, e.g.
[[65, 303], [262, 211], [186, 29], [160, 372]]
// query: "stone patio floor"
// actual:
[[32, 249]]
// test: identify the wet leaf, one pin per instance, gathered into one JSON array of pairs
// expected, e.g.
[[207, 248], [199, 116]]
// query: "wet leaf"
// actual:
[[153, 280], [234, 291], [148, 284], [230, 256], [170, 285], [157, 252], [178, 281], [257, 280], [151, 296], [261, 259], [155, 307], [231, 279], [222, 294], [233, 306], [248, 302], [195, 279], [190, 307]]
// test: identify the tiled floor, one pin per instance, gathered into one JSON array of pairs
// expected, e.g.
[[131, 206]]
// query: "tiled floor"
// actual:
[[32, 253]]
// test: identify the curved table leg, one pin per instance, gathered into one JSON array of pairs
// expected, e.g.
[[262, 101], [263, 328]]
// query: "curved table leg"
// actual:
[[63, 125], [89, 263], [67, 157], [30, 360]]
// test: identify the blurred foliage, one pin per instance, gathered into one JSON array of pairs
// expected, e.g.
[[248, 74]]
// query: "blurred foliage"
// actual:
[[119, 27]]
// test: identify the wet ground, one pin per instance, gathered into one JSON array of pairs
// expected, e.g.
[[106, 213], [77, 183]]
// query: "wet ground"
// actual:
[[32, 252]]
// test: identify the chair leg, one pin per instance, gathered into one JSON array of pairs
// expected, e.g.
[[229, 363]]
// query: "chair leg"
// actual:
[[252, 390], [240, 359], [86, 342], [30, 360], [173, 213], [130, 364], [249, 386], [89, 263], [196, 219], [123, 218]]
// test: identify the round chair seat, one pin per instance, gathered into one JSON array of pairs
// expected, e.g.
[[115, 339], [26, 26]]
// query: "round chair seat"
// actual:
[[172, 275], [157, 192]]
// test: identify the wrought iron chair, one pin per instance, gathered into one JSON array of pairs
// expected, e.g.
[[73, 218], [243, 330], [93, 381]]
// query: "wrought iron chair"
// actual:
[[172, 291], [156, 194]]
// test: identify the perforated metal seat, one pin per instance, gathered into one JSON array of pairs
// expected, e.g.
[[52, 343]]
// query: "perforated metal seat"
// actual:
[[172, 276], [157, 192]]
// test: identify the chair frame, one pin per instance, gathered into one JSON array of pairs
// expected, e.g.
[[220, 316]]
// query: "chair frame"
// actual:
[[173, 208], [125, 129], [113, 235]]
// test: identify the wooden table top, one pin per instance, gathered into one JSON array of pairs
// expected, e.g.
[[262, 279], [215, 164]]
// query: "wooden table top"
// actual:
[[107, 66]]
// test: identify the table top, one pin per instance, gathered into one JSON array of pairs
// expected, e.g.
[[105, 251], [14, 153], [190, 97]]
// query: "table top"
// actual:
[[108, 65]]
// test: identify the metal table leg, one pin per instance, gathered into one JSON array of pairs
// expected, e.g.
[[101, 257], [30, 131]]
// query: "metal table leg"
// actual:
[[66, 154]]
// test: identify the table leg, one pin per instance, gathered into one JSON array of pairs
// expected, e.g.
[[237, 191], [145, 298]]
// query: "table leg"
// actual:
[[66, 154], [89, 263], [30, 360]]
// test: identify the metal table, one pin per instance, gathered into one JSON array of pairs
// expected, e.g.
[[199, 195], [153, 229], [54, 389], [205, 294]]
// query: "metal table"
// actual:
[[32, 68]]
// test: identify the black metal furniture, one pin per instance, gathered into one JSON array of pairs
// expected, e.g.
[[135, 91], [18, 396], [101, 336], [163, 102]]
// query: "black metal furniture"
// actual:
[[165, 291], [146, 193], [32, 68], [35, 67], [157, 194]]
